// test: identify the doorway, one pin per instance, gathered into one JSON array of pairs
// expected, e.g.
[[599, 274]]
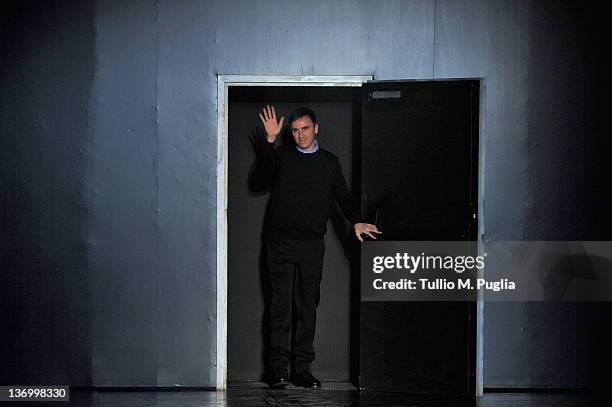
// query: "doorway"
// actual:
[[342, 319]]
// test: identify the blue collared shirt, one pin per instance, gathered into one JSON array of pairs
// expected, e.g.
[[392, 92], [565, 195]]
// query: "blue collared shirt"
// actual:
[[314, 149]]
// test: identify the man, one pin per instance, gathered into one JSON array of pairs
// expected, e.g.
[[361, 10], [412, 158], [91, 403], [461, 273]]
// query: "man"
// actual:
[[306, 180]]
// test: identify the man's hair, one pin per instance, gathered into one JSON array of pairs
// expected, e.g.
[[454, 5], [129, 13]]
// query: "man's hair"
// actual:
[[301, 112]]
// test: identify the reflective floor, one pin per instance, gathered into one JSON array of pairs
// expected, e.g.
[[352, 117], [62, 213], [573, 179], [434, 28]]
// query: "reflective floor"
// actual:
[[332, 394]]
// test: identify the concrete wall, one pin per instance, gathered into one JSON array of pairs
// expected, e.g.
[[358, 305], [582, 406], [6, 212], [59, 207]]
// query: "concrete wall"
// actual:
[[46, 70], [114, 182]]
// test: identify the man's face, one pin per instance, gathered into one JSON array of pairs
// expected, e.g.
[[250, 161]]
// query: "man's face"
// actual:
[[304, 132]]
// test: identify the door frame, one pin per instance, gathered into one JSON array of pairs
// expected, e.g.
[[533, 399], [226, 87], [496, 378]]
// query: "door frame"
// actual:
[[223, 84]]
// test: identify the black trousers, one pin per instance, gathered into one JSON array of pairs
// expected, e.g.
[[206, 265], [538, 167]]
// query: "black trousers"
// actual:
[[295, 269]]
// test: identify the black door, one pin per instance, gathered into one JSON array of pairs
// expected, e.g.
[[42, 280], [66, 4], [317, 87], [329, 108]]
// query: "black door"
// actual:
[[419, 152]]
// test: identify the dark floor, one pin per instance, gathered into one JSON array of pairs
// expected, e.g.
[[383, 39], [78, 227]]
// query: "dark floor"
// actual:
[[332, 394]]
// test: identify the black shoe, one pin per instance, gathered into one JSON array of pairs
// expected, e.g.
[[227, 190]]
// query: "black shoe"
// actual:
[[306, 380], [280, 380]]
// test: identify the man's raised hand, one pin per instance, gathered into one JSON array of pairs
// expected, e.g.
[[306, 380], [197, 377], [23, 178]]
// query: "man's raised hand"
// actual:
[[273, 128]]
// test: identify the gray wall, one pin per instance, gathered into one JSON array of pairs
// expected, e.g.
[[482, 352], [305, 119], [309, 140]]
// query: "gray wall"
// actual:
[[562, 161], [108, 120], [46, 70]]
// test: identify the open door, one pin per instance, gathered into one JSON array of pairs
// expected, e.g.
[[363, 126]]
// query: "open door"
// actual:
[[419, 154]]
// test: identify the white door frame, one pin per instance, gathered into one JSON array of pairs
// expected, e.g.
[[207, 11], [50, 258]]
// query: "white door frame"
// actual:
[[223, 83]]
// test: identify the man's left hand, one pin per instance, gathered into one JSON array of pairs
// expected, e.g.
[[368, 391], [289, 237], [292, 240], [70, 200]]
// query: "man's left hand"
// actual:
[[365, 229]]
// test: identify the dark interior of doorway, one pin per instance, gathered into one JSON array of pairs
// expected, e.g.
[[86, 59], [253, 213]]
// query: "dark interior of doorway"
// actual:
[[420, 176], [337, 336]]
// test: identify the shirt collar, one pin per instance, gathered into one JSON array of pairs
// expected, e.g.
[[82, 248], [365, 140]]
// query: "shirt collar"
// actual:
[[314, 149]]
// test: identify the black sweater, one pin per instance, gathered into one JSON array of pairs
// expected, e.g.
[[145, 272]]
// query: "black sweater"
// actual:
[[304, 188]]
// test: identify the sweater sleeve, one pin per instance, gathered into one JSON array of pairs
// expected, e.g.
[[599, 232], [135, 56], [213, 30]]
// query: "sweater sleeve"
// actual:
[[268, 163], [343, 196]]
